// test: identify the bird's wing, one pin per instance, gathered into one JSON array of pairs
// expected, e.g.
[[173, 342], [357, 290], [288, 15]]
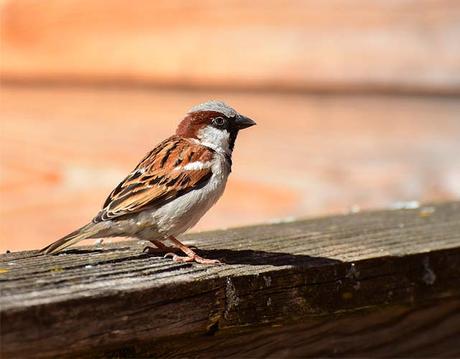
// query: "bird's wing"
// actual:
[[176, 166]]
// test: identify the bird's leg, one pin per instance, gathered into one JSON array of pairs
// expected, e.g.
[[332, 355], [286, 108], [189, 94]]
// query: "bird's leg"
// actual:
[[191, 255], [161, 248]]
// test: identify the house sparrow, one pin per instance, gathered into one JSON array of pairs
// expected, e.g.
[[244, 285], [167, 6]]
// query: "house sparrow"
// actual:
[[173, 186]]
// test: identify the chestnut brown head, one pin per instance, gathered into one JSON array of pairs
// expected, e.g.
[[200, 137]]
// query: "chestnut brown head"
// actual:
[[214, 124]]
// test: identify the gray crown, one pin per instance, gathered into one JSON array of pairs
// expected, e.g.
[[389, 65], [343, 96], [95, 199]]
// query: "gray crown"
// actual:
[[214, 105]]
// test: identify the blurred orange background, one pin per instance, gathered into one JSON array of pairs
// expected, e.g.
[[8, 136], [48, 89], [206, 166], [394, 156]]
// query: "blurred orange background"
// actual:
[[357, 104]]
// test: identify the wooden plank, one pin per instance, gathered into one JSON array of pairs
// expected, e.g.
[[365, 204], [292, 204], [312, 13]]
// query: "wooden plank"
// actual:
[[317, 45], [64, 149], [346, 285], [428, 330]]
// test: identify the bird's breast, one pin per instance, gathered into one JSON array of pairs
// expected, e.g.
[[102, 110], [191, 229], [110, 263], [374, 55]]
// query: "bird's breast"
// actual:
[[184, 212]]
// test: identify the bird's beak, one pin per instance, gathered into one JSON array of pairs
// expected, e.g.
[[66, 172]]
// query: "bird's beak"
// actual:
[[243, 122]]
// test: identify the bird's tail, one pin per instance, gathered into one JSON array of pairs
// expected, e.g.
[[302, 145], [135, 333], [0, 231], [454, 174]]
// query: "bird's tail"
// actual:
[[84, 232]]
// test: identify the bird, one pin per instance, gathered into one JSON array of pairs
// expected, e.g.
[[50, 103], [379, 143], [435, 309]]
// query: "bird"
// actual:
[[172, 187]]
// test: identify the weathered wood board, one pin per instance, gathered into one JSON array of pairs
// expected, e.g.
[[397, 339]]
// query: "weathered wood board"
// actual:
[[383, 283], [329, 45]]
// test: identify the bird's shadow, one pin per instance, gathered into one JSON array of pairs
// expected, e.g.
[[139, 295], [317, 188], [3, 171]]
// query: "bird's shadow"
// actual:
[[232, 256], [258, 257]]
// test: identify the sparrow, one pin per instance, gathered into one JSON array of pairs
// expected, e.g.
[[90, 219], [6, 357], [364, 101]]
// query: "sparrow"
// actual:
[[172, 187]]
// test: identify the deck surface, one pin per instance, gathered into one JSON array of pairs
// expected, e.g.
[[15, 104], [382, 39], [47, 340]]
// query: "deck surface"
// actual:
[[116, 299]]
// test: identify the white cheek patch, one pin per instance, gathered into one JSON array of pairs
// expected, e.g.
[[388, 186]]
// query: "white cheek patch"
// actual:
[[193, 166], [218, 140]]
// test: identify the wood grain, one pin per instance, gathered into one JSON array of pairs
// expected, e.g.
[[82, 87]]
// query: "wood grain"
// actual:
[[428, 330], [63, 149], [317, 45], [347, 285]]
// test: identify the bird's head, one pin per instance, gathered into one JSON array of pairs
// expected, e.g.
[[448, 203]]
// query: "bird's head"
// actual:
[[214, 124]]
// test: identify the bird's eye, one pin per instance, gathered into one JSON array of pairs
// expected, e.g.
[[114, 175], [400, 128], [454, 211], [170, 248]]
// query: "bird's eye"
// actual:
[[219, 121]]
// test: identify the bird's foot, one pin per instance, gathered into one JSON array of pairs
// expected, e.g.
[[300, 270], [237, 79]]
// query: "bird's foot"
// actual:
[[161, 248], [193, 258]]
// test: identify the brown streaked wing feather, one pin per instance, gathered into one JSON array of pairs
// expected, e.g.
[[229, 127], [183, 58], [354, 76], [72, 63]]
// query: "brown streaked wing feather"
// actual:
[[154, 182]]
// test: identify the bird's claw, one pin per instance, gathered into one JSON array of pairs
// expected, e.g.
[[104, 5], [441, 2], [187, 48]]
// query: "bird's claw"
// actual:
[[148, 249]]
